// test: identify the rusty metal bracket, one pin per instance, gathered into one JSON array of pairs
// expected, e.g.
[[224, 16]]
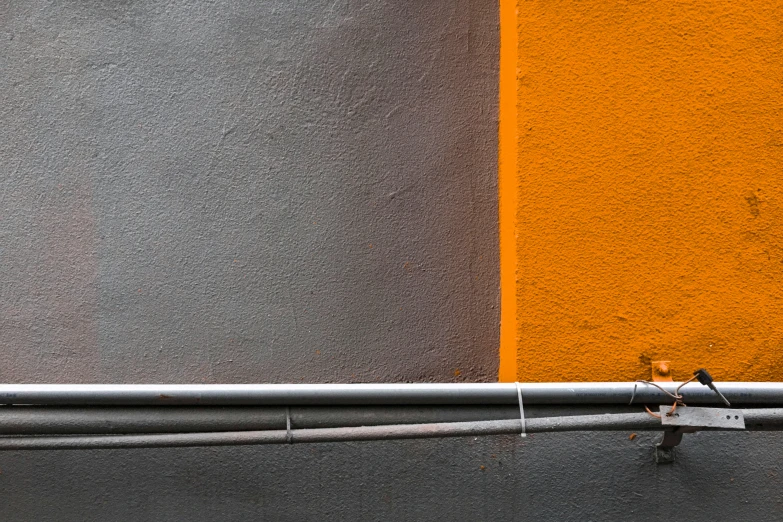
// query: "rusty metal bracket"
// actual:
[[665, 450], [685, 419]]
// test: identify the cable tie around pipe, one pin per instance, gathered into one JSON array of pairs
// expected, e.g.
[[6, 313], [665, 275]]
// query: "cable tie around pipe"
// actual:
[[521, 410], [289, 436]]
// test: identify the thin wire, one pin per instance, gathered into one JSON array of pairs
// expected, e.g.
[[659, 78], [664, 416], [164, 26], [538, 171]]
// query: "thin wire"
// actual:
[[683, 384], [676, 396]]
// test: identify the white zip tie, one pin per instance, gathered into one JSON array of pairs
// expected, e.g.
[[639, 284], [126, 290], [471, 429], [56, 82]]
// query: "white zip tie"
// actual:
[[521, 411], [289, 437]]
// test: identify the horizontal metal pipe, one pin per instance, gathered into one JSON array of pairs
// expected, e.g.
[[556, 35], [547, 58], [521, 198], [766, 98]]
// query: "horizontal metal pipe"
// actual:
[[761, 419], [767, 393], [40, 420], [364, 433], [605, 422], [61, 420]]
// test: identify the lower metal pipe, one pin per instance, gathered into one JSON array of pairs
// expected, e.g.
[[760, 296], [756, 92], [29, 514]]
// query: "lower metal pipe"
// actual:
[[767, 393], [364, 433], [627, 421], [43, 420], [62, 420]]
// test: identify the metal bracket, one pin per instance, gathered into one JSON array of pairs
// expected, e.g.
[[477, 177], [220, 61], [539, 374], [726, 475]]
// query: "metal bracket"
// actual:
[[686, 419], [664, 450], [683, 416]]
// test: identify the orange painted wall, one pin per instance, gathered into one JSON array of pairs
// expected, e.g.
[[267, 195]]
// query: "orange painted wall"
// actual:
[[649, 188]]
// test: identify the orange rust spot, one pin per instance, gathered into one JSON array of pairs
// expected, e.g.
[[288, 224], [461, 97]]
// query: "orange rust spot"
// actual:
[[457, 373], [164, 396], [632, 436], [661, 371]]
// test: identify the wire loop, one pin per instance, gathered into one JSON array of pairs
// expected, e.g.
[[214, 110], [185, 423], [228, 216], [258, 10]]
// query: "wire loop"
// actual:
[[676, 395]]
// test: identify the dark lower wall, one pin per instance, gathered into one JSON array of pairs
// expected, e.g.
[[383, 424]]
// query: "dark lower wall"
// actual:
[[268, 192], [557, 477]]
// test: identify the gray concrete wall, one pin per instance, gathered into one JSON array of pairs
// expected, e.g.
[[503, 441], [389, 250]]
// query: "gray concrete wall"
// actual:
[[242, 191], [275, 191]]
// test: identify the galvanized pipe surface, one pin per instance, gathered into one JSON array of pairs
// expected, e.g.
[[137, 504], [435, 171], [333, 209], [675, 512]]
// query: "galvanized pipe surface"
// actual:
[[768, 393], [627, 421], [760, 419], [61, 420], [364, 433], [40, 420]]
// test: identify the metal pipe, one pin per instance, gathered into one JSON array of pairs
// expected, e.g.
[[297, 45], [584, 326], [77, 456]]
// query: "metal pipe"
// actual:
[[364, 433], [40, 420], [762, 419], [605, 422], [61, 420], [767, 393]]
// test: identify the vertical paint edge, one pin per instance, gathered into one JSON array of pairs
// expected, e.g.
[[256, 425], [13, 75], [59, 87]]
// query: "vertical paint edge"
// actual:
[[507, 189]]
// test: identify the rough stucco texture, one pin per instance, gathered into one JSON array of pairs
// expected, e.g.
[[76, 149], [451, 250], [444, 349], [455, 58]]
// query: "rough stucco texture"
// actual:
[[244, 191], [650, 217], [241, 191], [146, 145], [560, 477]]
